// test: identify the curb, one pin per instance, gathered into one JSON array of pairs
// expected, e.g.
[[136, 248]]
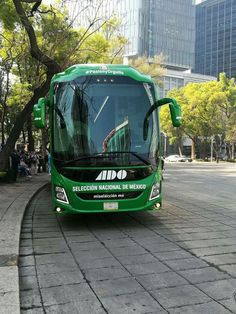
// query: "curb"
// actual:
[[10, 230]]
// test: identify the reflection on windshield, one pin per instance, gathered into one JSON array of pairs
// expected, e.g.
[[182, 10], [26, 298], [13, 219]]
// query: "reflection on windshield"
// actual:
[[103, 114]]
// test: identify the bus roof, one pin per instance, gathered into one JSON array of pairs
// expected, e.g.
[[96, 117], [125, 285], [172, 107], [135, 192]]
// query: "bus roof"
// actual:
[[100, 69]]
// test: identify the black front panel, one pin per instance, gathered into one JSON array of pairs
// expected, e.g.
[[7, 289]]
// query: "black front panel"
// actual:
[[98, 175], [109, 196]]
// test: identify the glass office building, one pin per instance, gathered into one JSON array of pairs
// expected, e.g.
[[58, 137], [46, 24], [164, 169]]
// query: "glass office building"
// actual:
[[215, 50], [151, 26], [172, 31]]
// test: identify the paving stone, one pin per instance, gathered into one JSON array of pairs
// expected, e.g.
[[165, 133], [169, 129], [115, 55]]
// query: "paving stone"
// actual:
[[32, 311], [221, 259], [203, 275], [86, 246], [187, 263], [26, 260], [230, 269], [66, 294], [162, 247], [99, 263], [61, 278], [218, 290], [138, 259], [116, 287], [105, 273], [229, 304], [92, 254], [45, 242], [47, 234], [27, 242], [81, 238], [81, 307], [25, 251], [180, 296], [214, 250], [51, 249], [28, 283], [128, 250], [164, 256], [208, 308], [140, 302], [207, 243], [30, 299], [61, 258], [162, 280], [147, 268], [55, 268], [115, 243], [8, 260], [27, 271]]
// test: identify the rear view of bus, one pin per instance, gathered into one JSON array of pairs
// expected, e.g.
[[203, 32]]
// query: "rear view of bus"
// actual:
[[105, 139]]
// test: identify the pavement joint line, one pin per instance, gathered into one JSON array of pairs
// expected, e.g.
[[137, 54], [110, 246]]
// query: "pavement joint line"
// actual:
[[115, 257], [189, 282], [82, 271]]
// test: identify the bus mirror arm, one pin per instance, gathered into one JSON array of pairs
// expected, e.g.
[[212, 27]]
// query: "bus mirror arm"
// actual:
[[175, 111]]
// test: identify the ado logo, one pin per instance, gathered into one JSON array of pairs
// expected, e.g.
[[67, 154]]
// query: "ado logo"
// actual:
[[106, 175]]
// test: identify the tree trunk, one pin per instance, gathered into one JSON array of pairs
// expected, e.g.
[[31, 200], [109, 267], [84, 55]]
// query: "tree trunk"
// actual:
[[193, 149], [19, 123], [232, 151], [52, 67], [30, 134]]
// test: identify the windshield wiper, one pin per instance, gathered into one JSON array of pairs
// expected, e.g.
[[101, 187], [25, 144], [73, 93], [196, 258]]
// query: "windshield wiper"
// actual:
[[108, 155], [82, 158]]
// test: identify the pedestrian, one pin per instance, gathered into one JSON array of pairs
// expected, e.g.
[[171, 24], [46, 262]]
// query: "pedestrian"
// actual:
[[33, 160], [40, 163], [24, 169], [49, 163]]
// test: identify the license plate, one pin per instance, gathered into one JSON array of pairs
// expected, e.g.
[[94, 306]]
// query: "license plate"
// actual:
[[110, 206]]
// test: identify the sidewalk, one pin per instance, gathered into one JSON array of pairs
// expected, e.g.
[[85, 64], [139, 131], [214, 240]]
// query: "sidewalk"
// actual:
[[14, 198]]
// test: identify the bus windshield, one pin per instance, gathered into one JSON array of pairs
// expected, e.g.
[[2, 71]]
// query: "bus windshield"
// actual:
[[98, 120]]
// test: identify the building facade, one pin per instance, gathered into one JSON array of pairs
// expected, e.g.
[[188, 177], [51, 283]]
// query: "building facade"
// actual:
[[151, 26], [215, 49], [177, 79], [172, 31]]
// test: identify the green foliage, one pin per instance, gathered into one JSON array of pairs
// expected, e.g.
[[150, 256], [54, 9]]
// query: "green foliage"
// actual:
[[8, 16], [152, 67], [208, 108], [58, 39]]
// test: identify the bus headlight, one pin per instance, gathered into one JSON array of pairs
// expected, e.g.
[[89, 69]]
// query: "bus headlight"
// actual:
[[61, 195], [155, 191]]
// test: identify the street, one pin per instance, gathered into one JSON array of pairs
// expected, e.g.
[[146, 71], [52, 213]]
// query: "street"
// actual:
[[181, 259]]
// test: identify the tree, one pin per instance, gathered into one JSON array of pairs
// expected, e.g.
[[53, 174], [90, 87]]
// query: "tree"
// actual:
[[228, 107], [53, 45], [51, 67], [202, 115], [150, 66]]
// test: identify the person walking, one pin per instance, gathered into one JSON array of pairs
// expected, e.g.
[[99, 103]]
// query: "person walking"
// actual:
[[33, 158]]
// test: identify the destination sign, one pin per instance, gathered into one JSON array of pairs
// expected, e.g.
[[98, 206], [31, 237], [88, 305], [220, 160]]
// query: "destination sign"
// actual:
[[108, 187]]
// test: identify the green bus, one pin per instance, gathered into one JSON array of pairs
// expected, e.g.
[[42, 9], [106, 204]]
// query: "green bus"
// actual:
[[105, 142]]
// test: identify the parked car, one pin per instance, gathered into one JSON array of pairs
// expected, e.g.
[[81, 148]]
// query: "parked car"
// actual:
[[178, 158], [184, 158]]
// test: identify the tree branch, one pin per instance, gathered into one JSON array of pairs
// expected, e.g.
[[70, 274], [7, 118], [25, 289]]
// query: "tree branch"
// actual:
[[52, 65]]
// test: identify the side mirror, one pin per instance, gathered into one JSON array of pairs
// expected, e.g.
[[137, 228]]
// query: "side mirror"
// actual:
[[40, 113], [175, 111]]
